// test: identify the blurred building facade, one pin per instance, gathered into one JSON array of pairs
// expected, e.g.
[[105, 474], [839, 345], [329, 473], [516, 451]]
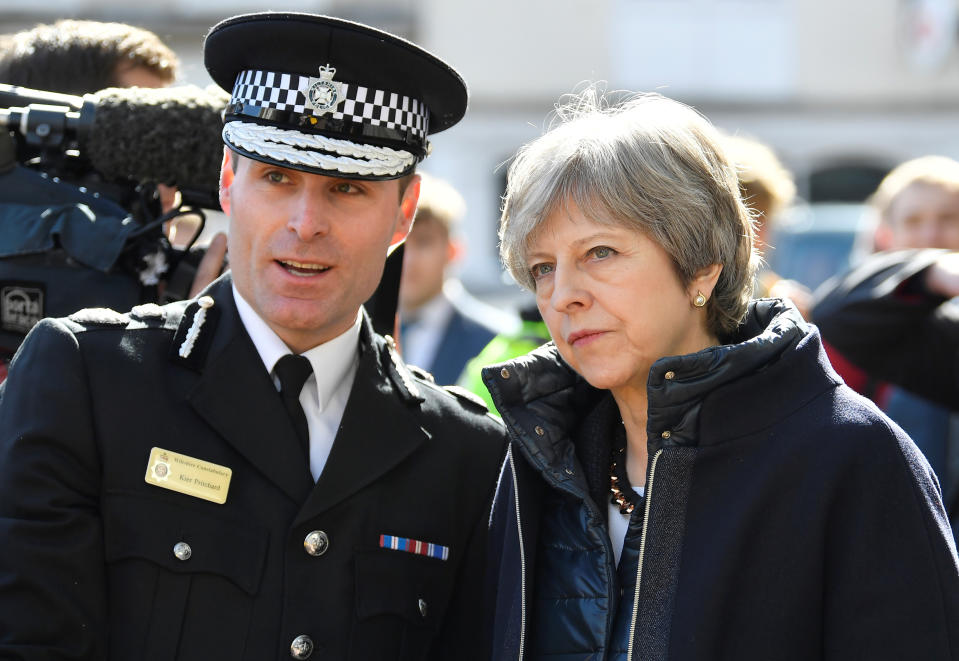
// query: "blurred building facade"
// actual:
[[842, 90]]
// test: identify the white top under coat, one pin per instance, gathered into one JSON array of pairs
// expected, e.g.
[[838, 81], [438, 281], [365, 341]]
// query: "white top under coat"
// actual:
[[619, 524]]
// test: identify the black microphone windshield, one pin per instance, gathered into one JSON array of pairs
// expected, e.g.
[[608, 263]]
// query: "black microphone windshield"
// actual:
[[168, 135], [14, 96]]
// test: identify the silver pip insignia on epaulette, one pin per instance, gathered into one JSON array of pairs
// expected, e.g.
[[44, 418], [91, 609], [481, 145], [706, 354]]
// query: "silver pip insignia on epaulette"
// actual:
[[99, 317], [147, 311], [205, 302]]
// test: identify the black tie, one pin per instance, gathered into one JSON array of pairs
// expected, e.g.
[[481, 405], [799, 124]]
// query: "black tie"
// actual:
[[293, 371]]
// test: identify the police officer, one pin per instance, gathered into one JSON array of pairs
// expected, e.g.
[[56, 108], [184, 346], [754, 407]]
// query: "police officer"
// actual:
[[255, 473]]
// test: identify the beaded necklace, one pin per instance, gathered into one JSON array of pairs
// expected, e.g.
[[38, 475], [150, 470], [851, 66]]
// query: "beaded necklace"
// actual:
[[619, 486]]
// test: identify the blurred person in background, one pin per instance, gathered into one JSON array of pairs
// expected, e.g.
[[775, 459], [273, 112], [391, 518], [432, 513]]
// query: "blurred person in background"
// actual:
[[441, 325], [687, 477], [768, 189], [876, 315], [80, 57], [531, 334], [896, 314], [917, 205]]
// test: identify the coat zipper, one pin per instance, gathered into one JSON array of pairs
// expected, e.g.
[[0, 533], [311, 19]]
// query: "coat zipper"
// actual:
[[522, 561], [642, 552]]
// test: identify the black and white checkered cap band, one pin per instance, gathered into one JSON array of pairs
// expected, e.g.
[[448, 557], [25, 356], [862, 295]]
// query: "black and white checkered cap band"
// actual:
[[287, 92]]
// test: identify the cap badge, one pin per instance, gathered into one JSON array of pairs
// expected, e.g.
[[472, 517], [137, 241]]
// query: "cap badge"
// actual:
[[323, 93]]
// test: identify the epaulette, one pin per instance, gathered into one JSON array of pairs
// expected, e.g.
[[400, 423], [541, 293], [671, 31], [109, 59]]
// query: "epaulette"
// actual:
[[421, 373], [468, 397], [99, 317]]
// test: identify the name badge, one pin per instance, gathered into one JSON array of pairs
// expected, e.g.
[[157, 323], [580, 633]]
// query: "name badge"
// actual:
[[193, 477]]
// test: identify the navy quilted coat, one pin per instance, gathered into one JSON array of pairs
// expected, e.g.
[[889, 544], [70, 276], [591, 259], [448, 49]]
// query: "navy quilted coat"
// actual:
[[785, 517]]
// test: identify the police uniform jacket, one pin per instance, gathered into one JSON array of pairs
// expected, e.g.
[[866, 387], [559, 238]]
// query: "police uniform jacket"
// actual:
[[97, 563]]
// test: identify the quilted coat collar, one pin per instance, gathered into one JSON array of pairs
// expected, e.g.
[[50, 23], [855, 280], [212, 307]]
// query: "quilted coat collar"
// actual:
[[541, 398]]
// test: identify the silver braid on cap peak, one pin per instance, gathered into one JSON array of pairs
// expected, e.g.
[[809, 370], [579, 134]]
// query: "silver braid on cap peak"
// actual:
[[296, 148]]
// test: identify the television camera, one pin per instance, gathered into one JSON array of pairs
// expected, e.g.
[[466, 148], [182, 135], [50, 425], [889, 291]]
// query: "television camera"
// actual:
[[83, 222]]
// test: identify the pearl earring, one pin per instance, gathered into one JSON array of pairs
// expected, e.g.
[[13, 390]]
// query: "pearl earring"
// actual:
[[700, 300]]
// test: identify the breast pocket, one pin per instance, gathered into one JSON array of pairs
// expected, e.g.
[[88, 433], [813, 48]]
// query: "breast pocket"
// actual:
[[182, 579], [401, 600]]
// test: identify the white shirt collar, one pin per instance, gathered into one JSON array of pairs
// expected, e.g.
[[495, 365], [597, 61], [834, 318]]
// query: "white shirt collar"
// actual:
[[332, 361]]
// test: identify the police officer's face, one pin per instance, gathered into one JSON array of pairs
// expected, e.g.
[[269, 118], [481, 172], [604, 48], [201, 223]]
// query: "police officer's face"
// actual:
[[307, 250]]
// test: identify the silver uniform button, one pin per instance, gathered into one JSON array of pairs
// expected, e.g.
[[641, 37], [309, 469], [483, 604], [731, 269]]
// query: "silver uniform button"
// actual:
[[316, 542], [422, 604], [182, 551], [301, 647]]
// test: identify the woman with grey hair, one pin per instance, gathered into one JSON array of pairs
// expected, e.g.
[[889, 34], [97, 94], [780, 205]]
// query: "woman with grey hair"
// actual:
[[688, 478]]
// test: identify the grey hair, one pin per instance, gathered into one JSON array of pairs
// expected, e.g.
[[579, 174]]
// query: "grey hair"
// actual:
[[647, 163]]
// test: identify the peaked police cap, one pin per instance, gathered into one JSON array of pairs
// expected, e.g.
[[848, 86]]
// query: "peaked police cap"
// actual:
[[330, 96]]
